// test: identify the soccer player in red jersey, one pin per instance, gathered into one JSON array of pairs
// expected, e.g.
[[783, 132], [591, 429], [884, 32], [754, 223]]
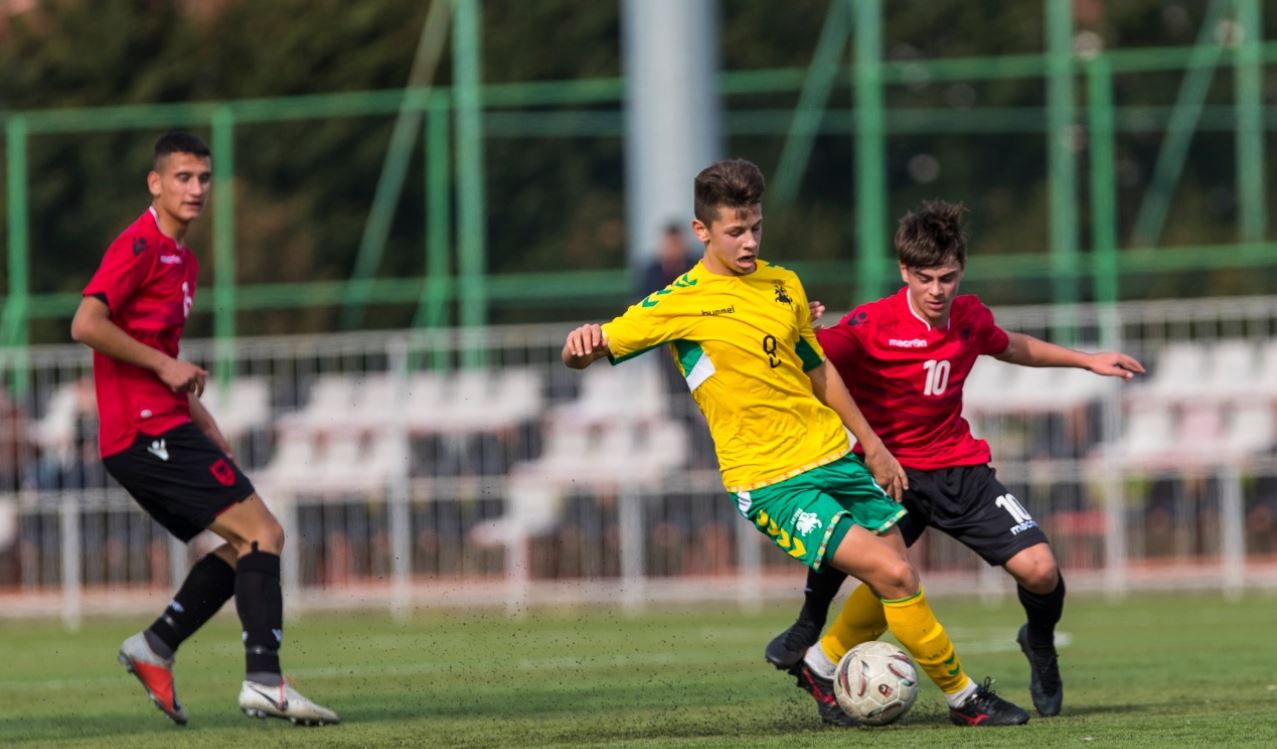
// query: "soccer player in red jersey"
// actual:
[[904, 360], [165, 449]]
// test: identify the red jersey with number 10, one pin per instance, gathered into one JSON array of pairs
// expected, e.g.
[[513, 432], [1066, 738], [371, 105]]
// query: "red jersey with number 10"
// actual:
[[148, 282], [907, 377]]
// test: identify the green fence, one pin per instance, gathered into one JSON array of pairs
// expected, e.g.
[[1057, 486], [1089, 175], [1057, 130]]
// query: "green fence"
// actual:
[[457, 120]]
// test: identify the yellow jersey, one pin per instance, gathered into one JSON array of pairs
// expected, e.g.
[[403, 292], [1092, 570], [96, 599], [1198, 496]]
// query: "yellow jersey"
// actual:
[[744, 344]]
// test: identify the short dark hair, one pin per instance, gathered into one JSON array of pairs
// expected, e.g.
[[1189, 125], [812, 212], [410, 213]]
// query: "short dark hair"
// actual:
[[932, 235], [179, 141], [735, 183]]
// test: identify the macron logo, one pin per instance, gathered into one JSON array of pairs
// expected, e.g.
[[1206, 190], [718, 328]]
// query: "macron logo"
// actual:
[[158, 449], [907, 342], [171, 259]]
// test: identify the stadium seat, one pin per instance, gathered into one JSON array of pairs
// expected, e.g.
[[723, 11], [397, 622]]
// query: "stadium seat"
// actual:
[[55, 431], [634, 390], [295, 465], [1250, 429], [1231, 370], [1149, 437], [1180, 369], [329, 406], [604, 456], [1266, 371], [240, 406], [472, 401]]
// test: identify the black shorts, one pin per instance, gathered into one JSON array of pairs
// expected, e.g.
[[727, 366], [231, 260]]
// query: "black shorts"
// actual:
[[180, 478], [971, 505]]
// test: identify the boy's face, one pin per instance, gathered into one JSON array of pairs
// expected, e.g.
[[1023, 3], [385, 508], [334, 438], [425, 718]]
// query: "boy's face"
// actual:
[[179, 185], [732, 240], [931, 290]]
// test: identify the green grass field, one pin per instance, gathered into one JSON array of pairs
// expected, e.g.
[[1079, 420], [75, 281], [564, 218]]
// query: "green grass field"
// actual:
[[1154, 671]]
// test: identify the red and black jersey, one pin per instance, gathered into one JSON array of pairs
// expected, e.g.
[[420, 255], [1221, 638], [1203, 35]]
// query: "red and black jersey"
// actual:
[[907, 377], [148, 282]]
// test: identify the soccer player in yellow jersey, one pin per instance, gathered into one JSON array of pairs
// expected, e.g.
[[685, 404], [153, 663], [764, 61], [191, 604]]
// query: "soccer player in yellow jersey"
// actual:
[[741, 333]]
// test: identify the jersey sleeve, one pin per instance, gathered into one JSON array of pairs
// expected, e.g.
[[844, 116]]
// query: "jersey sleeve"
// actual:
[[991, 339], [127, 264], [808, 345], [658, 319]]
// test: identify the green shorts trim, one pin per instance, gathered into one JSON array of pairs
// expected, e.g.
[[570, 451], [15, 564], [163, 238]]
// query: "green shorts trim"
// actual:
[[841, 528], [801, 513]]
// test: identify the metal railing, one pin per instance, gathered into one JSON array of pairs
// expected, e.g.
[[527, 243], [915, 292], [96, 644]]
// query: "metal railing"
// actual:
[[429, 482]]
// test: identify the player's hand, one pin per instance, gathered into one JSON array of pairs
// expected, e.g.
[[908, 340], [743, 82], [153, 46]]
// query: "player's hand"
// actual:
[[183, 377], [817, 310], [887, 471], [1112, 364], [583, 344]]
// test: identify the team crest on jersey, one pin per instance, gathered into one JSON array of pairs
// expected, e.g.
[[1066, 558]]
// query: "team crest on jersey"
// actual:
[[139, 245], [782, 296], [806, 522], [858, 318]]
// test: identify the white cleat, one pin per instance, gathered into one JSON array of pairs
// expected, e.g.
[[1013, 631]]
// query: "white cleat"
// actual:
[[155, 673], [262, 701]]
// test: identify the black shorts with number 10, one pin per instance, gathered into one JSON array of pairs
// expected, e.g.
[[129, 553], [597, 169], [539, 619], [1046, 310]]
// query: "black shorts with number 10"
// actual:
[[180, 478], [971, 505]]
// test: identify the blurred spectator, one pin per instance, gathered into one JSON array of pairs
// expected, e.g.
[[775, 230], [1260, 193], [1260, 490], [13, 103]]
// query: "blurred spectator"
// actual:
[[13, 452], [673, 260]]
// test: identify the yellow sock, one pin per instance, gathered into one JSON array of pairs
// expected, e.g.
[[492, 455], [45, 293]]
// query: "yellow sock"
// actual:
[[860, 620], [916, 627]]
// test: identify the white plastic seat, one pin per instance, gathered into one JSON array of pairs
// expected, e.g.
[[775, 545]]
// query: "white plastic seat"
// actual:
[[239, 407], [331, 403], [633, 390], [55, 431], [1250, 429], [1231, 370], [1266, 371], [295, 464], [1179, 373], [1149, 436]]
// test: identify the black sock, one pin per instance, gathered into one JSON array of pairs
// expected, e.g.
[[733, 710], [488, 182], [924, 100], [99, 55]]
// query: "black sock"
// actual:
[[207, 586], [821, 588], [260, 603], [1043, 611]]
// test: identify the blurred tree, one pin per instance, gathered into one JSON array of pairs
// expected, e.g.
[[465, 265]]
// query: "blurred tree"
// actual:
[[305, 188]]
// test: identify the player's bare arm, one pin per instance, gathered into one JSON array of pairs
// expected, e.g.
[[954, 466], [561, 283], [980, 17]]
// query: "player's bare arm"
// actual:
[[1033, 352], [828, 386], [93, 327], [585, 345], [204, 420]]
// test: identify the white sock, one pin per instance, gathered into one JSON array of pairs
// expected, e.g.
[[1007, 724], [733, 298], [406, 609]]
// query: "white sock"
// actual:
[[819, 662], [962, 695]]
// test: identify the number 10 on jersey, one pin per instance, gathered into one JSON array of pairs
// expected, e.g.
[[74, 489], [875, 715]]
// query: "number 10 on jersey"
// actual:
[[937, 376]]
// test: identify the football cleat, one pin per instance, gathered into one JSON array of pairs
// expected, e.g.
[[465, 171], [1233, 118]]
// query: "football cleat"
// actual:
[[156, 675], [788, 648], [282, 701], [1045, 686], [822, 690], [986, 708]]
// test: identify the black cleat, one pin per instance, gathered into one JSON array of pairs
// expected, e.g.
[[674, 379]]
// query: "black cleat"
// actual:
[[1045, 686], [822, 690], [986, 708], [787, 649]]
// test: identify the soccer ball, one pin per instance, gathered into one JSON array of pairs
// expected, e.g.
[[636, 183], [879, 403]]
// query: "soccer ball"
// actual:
[[875, 683]]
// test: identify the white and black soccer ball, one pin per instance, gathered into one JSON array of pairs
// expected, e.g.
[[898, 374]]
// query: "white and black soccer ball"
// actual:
[[875, 683]]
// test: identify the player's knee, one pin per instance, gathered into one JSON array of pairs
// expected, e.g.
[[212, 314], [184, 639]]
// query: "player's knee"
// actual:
[[896, 579], [1040, 577], [274, 535]]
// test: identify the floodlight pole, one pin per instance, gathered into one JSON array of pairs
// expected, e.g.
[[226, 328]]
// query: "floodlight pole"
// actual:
[[673, 112]]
